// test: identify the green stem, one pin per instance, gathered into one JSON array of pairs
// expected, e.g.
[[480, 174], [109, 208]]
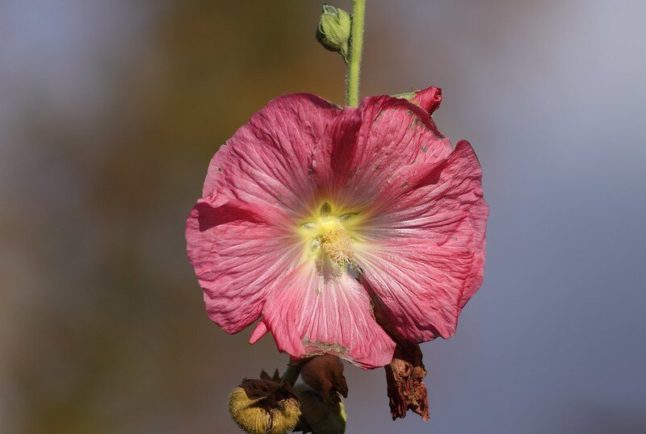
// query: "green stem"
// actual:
[[356, 48], [292, 373]]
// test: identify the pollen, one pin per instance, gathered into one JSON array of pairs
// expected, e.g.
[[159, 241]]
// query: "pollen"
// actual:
[[336, 244], [329, 234]]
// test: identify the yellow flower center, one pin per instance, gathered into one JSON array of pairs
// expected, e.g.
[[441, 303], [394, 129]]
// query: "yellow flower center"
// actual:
[[328, 236]]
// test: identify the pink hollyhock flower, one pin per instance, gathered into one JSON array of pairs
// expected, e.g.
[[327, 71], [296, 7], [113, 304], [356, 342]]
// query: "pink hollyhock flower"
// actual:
[[316, 220]]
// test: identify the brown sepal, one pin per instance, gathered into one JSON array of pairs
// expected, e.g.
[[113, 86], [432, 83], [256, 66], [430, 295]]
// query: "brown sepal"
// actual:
[[269, 391], [324, 374]]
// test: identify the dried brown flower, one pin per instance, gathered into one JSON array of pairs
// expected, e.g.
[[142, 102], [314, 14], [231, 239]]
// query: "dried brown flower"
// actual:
[[405, 376]]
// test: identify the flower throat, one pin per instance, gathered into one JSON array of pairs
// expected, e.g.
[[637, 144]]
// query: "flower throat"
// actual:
[[328, 239]]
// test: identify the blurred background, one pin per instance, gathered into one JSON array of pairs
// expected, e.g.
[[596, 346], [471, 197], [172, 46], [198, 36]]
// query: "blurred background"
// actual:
[[110, 111]]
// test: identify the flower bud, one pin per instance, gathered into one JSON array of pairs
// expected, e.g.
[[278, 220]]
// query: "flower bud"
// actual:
[[335, 27], [264, 406], [320, 416], [428, 99]]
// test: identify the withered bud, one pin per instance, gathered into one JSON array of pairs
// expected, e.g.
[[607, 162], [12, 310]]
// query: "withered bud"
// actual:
[[405, 377], [264, 406], [324, 374]]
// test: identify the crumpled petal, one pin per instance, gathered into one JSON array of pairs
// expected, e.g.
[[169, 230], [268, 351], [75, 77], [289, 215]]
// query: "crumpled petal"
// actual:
[[394, 133], [310, 315], [425, 254], [280, 156], [237, 256]]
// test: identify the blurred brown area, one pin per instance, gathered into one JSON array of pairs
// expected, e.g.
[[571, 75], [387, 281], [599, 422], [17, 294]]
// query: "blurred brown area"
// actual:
[[103, 328]]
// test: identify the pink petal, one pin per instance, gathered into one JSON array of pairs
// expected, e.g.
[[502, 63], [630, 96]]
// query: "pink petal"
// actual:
[[394, 133], [281, 156], [237, 255], [424, 257], [431, 200], [310, 315], [419, 285], [258, 333]]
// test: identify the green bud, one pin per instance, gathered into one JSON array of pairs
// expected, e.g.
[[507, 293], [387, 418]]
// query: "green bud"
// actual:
[[335, 27], [319, 416]]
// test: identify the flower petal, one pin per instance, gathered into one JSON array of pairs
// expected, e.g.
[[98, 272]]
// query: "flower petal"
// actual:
[[280, 156], [394, 133], [310, 315], [424, 254], [419, 286], [433, 201], [237, 255]]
